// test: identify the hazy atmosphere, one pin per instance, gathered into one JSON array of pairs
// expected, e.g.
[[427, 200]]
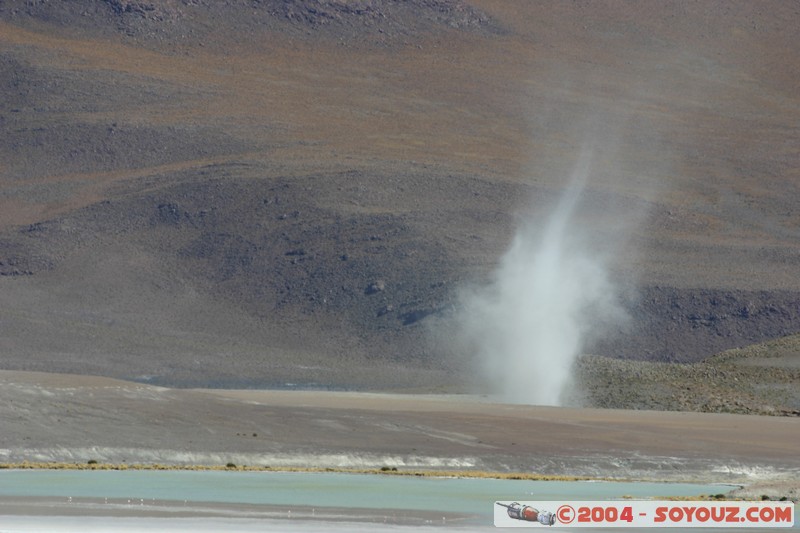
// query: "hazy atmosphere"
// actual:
[[552, 238], [550, 295]]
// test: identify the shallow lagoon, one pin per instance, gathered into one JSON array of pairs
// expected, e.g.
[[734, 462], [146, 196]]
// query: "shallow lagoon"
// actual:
[[134, 500], [459, 495]]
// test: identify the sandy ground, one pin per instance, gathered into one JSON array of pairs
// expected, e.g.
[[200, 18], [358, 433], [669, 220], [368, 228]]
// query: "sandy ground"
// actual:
[[54, 417], [82, 524]]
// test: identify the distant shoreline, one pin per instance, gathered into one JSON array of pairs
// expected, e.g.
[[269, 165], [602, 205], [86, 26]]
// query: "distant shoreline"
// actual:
[[26, 465], [90, 423]]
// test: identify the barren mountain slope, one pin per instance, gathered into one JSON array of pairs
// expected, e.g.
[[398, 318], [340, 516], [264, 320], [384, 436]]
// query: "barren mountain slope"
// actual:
[[261, 193]]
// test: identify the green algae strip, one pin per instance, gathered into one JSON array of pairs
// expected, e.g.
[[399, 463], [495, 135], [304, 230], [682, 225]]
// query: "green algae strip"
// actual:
[[92, 465]]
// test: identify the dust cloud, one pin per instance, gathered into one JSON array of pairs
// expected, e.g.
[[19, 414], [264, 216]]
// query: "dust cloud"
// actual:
[[549, 296]]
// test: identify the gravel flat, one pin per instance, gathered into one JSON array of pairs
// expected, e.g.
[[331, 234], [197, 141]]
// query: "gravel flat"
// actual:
[[49, 417]]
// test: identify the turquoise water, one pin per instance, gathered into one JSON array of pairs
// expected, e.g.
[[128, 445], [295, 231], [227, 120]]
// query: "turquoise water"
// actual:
[[473, 496]]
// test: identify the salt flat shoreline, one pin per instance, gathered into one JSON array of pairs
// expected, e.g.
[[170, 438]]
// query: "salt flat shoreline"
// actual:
[[134, 508], [53, 419]]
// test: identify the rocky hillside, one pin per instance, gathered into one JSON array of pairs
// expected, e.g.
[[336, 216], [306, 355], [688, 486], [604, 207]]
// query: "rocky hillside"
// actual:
[[759, 379], [295, 193]]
